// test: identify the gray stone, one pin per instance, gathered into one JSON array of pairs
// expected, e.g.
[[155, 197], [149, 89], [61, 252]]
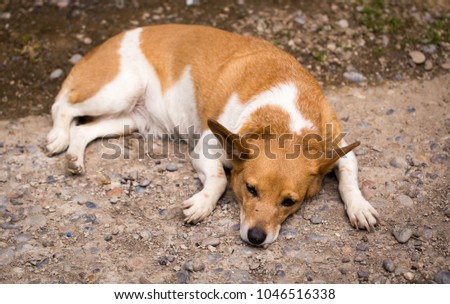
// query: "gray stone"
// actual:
[[194, 265], [429, 49], [364, 275], [75, 58], [91, 205], [6, 256], [439, 158], [144, 182], [390, 187], [343, 23], [146, 235], [182, 277], [389, 265], [211, 241], [214, 258], [4, 201], [361, 246], [23, 237], [447, 212], [36, 221], [5, 175], [63, 3], [405, 200], [300, 18], [417, 57], [428, 65], [5, 16], [316, 237], [56, 74], [171, 167], [398, 162], [354, 76], [315, 219], [442, 277], [402, 234]]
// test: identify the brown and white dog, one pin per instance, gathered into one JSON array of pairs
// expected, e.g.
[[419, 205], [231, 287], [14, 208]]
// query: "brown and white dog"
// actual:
[[153, 79]]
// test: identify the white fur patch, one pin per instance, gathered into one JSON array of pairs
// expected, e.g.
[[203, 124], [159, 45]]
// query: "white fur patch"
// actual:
[[284, 96]]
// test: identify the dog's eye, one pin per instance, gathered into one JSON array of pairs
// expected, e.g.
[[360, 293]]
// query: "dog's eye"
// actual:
[[288, 202], [252, 190]]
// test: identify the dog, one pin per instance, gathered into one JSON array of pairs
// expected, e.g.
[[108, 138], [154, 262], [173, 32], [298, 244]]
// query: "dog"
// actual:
[[226, 86]]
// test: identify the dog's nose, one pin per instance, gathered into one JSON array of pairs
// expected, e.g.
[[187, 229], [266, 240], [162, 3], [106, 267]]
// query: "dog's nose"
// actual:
[[256, 236]]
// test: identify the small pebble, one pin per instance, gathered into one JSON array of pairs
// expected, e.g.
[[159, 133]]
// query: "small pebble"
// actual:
[[315, 219], [343, 23], [398, 162], [211, 241], [145, 235], [63, 3], [390, 112], [6, 256], [417, 57], [447, 212], [354, 76], [428, 65], [108, 238], [163, 261], [115, 231], [56, 74], [114, 200], [343, 270], [446, 65], [91, 205], [75, 58], [171, 167], [405, 200], [410, 109], [389, 265], [402, 234], [5, 16], [144, 183], [50, 180], [361, 246], [182, 277], [280, 273], [409, 276], [364, 275], [442, 277]]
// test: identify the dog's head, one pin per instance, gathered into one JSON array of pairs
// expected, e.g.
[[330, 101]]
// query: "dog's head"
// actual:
[[271, 179]]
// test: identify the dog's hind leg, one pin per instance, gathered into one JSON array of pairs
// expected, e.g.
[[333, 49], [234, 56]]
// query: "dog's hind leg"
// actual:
[[62, 114], [211, 173], [82, 135], [359, 210]]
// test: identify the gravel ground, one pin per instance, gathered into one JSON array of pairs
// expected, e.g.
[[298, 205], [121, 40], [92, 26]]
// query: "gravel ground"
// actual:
[[384, 66], [119, 223]]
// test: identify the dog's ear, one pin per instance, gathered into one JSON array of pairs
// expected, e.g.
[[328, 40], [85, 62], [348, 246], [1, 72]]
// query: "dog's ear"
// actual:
[[230, 142], [329, 157]]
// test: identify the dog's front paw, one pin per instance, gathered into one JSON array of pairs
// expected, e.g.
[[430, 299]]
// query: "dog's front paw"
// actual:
[[198, 207], [57, 142], [362, 214]]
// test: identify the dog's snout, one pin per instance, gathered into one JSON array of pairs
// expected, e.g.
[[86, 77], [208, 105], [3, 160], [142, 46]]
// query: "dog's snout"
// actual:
[[256, 236]]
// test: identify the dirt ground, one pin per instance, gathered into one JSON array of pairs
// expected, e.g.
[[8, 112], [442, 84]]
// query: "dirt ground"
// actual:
[[118, 223]]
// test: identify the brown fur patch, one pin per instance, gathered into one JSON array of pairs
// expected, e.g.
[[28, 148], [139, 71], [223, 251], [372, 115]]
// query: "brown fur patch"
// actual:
[[95, 70]]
